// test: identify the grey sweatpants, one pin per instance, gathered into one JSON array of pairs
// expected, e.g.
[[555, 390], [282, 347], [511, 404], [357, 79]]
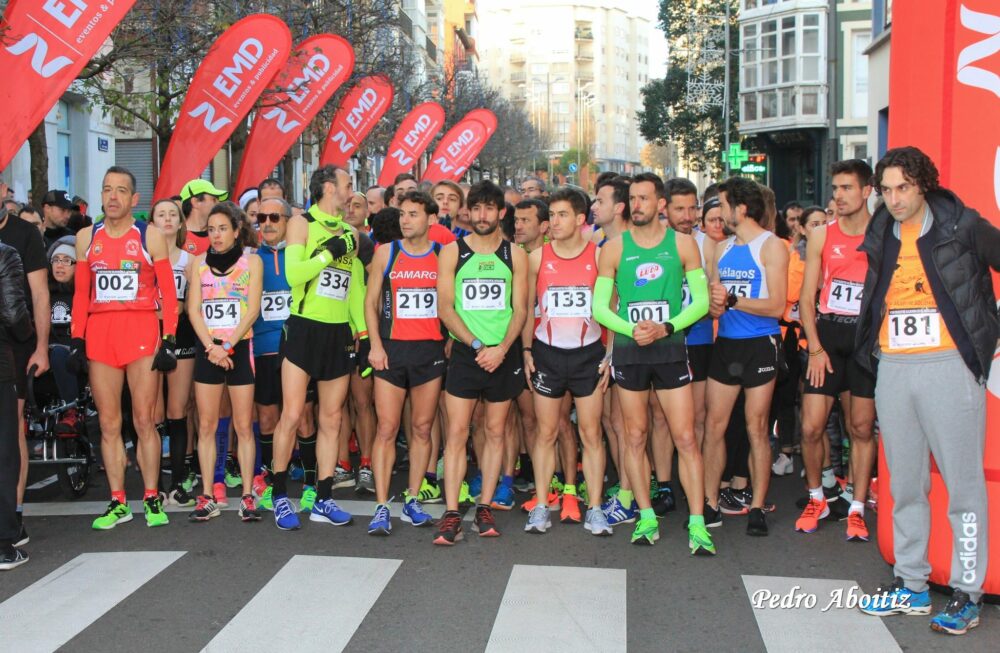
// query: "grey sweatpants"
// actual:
[[931, 404]]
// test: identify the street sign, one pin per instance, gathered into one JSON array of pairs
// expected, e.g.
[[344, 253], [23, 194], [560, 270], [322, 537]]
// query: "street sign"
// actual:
[[736, 156], [572, 167]]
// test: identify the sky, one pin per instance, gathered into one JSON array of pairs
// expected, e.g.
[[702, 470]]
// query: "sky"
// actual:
[[657, 39]]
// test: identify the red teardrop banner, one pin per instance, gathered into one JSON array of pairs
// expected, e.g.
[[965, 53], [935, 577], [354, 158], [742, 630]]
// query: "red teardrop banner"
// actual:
[[414, 135], [358, 114]]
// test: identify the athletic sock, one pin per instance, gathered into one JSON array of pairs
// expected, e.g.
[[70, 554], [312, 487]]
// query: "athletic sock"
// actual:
[[858, 507], [431, 477], [178, 430], [307, 453], [324, 489], [365, 461], [147, 493], [280, 484], [119, 497], [189, 461], [625, 498], [507, 481], [647, 513], [848, 493], [345, 465], [829, 480], [570, 490], [221, 449], [267, 451], [665, 486], [816, 493]]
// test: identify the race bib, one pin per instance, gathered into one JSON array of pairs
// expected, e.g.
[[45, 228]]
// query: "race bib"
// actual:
[[275, 306], [738, 288], [116, 285], [333, 284], [914, 327], [685, 295], [416, 303], [483, 295], [794, 313], [221, 313], [569, 301], [180, 283], [845, 296], [655, 311]]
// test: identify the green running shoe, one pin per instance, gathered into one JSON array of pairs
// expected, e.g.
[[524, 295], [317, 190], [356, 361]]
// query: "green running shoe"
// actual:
[[429, 492], [308, 498], [233, 478], [647, 531], [613, 490], [464, 498], [700, 541], [155, 516], [117, 513], [556, 485], [265, 502], [581, 492], [189, 482]]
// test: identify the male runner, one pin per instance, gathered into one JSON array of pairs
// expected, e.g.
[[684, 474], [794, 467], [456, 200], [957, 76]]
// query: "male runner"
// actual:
[[564, 354], [835, 264], [404, 183], [327, 282], [482, 301], [611, 214], [197, 199], [749, 278], [407, 355], [450, 201], [123, 267], [647, 266]]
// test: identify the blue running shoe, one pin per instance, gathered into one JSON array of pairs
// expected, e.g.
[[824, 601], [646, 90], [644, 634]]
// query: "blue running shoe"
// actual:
[[503, 497], [413, 513], [617, 513], [380, 523], [961, 614], [895, 599], [284, 515], [296, 472], [328, 512], [476, 485]]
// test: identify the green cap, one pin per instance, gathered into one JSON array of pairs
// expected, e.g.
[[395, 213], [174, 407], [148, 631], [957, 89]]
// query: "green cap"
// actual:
[[202, 187]]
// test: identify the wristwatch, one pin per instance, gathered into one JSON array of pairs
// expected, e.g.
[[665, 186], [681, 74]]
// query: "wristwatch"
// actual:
[[228, 347], [476, 345], [731, 300]]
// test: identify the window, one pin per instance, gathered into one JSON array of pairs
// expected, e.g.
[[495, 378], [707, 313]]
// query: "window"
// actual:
[[560, 88], [859, 75], [787, 102], [768, 105], [810, 102], [888, 13], [810, 48], [769, 52], [750, 106]]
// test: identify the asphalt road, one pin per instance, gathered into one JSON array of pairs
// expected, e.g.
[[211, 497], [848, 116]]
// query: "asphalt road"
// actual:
[[403, 594]]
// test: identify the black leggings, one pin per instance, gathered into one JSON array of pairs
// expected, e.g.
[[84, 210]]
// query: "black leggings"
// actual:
[[737, 442]]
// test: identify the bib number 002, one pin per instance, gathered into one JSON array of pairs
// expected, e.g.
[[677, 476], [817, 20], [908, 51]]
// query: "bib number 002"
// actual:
[[116, 285]]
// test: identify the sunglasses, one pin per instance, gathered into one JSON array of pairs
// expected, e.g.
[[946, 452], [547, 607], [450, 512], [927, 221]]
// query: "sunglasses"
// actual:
[[273, 217]]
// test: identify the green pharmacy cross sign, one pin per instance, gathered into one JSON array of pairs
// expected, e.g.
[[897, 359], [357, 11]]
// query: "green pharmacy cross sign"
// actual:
[[736, 156]]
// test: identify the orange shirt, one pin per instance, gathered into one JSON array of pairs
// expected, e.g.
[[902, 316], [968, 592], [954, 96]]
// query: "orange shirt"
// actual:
[[796, 271], [912, 322]]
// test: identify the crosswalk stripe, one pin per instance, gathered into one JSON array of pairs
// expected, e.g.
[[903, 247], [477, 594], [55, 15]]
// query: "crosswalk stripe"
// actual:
[[329, 629], [830, 624], [56, 608], [561, 609]]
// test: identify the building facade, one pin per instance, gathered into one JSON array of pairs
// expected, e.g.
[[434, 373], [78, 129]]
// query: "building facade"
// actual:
[[878, 73]]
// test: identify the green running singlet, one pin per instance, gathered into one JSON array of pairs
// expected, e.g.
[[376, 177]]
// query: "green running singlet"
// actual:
[[649, 284], [328, 296], [483, 291]]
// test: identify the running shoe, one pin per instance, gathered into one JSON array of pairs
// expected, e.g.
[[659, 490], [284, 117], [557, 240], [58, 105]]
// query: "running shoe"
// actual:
[[365, 481], [248, 508], [616, 513], [484, 523], [266, 502], [295, 471], [22, 537], [233, 478], [178, 497], [728, 504], [700, 541], [815, 510], [503, 498], [582, 492], [429, 492], [476, 486], [961, 614], [117, 513], [413, 512], [189, 482], [380, 523], [570, 509], [465, 497], [449, 529], [12, 558], [556, 485], [328, 512], [153, 507], [342, 478], [613, 490], [204, 509], [654, 489], [523, 483], [219, 494], [538, 520], [647, 531], [259, 485], [553, 500], [745, 497], [597, 523], [664, 501], [857, 530], [284, 515], [895, 599], [756, 523], [308, 499], [783, 465], [713, 516]]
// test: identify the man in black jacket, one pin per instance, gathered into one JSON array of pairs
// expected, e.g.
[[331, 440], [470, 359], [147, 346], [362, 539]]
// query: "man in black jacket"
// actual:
[[928, 325], [15, 324]]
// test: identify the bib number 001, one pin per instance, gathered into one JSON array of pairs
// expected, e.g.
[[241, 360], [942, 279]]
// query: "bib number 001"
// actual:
[[655, 311]]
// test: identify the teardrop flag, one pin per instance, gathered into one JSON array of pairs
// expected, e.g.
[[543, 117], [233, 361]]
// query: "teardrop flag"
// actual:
[[359, 112], [468, 135], [414, 135]]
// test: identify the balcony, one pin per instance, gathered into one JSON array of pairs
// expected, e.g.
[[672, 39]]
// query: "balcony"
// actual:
[[517, 57], [585, 54], [518, 77], [585, 75], [431, 50], [783, 108], [583, 32], [518, 96]]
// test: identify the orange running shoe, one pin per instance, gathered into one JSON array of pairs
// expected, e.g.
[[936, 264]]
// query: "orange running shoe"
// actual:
[[814, 511], [857, 530], [570, 509], [529, 505]]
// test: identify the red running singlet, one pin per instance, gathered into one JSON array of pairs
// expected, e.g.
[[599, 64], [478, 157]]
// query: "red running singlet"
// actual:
[[844, 270], [408, 309], [122, 271], [565, 294]]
